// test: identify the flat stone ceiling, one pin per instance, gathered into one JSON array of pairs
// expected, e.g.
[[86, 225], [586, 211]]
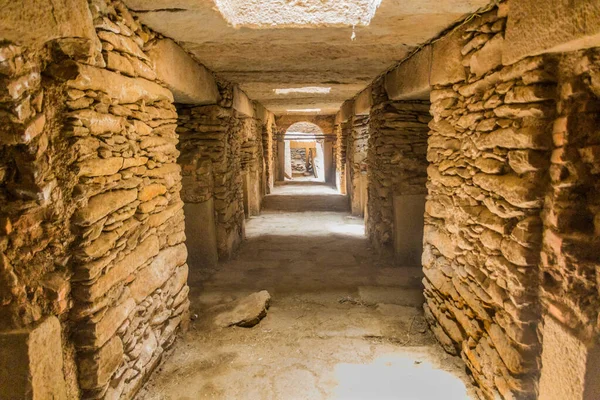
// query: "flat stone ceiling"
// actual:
[[280, 56]]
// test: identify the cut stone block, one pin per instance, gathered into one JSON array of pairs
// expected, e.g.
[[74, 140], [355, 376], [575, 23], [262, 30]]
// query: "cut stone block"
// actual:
[[552, 26], [446, 60], [569, 366], [35, 22], [363, 102], [410, 80], [245, 312], [242, 103], [31, 363], [190, 82], [408, 229], [201, 234]]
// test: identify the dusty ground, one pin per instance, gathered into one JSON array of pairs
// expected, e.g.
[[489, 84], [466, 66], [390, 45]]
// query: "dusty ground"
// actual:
[[343, 324]]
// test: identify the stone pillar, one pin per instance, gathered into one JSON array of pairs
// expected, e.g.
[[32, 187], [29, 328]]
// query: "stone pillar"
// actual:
[[396, 159], [328, 159]]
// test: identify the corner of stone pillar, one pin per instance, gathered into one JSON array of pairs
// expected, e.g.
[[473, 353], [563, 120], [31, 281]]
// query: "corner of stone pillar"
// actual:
[[31, 362]]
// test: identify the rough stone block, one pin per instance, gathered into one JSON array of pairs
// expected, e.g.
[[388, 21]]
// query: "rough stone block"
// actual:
[[190, 82], [363, 102], [242, 103], [551, 26], [122, 88], [408, 228], [410, 80], [31, 363], [201, 234], [345, 113], [35, 22], [446, 60], [569, 366]]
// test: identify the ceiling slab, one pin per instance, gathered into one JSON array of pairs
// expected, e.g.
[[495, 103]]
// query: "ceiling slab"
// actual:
[[261, 60]]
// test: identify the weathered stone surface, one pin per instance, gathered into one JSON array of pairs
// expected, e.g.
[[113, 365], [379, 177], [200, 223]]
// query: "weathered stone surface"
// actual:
[[245, 312], [242, 103], [95, 334], [190, 82], [95, 369], [552, 26], [488, 57], [101, 205], [124, 89], [158, 272], [568, 365], [100, 167], [446, 60], [31, 362], [363, 102], [35, 22], [410, 80], [119, 271]]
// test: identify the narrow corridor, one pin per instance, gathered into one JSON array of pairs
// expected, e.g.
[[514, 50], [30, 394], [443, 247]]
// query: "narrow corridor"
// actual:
[[343, 324]]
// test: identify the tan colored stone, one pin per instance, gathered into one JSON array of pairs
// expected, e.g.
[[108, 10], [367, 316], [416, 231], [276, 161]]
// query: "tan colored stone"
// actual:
[[532, 137], [363, 102], [94, 335], [31, 362], [410, 80], [158, 272], [553, 26], [190, 82], [121, 88], [36, 22], [119, 271], [511, 356], [569, 365], [519, 191], [446, 65], [103, 204], [242, 103], [100, 166], [95, 369], [488, 57], [151, 191]]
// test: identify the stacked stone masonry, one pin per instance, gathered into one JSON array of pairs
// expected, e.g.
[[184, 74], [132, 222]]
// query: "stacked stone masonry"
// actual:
[[342, 132], [488, 151], [214, 134], [95, 211], [396, 159], [571, 218], [357, 160]]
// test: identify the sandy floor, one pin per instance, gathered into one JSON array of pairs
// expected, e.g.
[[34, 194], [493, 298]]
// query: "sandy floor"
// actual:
[[343, 324]]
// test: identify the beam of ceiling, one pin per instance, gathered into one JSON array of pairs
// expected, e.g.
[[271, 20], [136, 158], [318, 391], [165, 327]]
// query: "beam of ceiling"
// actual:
[[261, 60]]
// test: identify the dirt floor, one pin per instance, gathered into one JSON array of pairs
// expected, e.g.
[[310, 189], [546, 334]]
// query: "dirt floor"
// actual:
[[343, 324]]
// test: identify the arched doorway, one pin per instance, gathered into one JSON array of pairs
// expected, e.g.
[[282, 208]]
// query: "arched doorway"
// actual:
[[305, 158]]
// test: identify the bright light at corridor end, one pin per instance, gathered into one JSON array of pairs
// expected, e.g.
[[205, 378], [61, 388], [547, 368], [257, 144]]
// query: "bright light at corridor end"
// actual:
[[307, 89], [285, 13]]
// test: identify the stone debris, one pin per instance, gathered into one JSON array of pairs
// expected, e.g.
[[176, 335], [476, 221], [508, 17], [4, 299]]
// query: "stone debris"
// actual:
[[245, 312]]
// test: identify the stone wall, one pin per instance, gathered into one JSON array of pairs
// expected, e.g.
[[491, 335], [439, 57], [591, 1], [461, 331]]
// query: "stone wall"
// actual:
[[93, 225], [252, 165], [342, 132], [396, 160], [214, 133], [570, 264], [488, 152], [129, 267], [357, 161]]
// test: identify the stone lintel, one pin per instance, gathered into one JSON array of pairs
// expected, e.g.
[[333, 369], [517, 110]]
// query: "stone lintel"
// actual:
[[242, 103], [363, 102], [190, 82], [410, 80], [550, 26]]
